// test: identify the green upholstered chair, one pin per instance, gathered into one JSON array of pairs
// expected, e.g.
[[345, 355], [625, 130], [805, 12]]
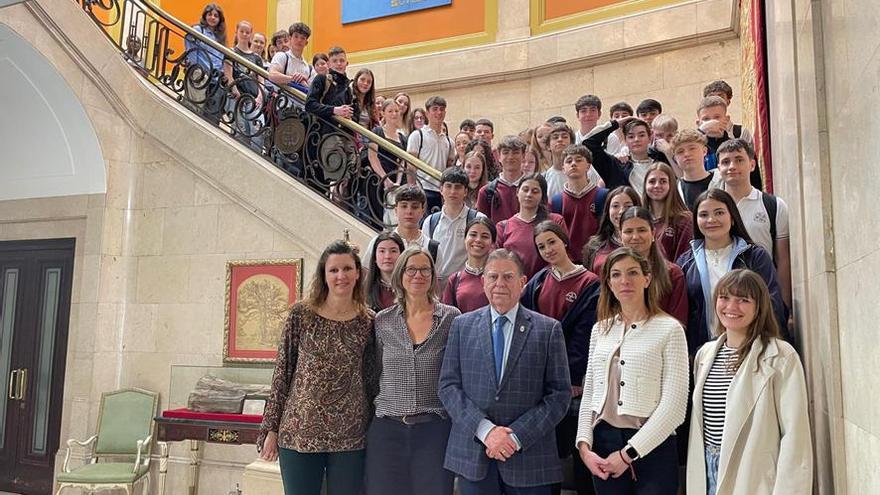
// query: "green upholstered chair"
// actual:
[[125, 434]]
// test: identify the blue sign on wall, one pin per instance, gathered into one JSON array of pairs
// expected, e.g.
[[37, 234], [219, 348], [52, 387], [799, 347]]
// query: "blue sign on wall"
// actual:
[[361, 10]]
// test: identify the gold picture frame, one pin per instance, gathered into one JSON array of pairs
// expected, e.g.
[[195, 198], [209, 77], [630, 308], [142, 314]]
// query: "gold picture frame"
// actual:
[[259, 294]]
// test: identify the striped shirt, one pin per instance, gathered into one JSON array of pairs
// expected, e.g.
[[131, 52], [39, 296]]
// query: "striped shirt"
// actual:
[[410, 371], [715, 395]]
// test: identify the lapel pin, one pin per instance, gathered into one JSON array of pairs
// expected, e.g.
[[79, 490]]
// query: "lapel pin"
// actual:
[[522, 328]]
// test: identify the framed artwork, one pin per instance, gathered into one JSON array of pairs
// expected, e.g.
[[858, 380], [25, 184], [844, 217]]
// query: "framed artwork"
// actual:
[[259, 294]]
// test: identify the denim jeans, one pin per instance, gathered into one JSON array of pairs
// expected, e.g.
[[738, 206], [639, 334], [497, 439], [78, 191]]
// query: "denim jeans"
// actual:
[[713, 453]]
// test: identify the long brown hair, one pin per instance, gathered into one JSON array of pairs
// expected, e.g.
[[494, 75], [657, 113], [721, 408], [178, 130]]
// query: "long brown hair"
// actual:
[[319, 289], [220, 30], [606, 226], [673, 206], [660, 282], [746, 283], [369, 98], [609, 307]]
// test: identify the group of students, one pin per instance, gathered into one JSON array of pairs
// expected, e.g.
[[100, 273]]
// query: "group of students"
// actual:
[[621, 295], [406, 399]]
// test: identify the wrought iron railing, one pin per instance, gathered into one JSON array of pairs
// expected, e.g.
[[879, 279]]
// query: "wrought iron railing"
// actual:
[[331, 156]]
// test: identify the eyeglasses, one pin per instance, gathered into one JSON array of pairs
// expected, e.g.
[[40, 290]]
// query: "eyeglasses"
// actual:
[[426, 271]]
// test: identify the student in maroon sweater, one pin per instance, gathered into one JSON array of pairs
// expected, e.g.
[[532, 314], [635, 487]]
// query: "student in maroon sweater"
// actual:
[[464, 288], [517, 233], [567, 292], [673, 224], [668, 280], [607, 239], [498, 199], [380, 265], [581, 201]]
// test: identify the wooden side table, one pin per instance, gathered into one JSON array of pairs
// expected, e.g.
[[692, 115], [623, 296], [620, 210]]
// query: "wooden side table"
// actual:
[[198, 428]]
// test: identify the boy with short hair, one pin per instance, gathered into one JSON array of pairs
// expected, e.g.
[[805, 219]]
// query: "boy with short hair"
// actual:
[[615, 144], [409, 206], [723, 90], [469, 127], [330, 95], [447, 226], [431, 145], [484, 129], [713, 120], [561, 136], [648, 110], [280, 40], [289, 67], [664, 127], [642, 155], [588, 109], [581, 202], [497, 199], [689, 151], [765, 216]]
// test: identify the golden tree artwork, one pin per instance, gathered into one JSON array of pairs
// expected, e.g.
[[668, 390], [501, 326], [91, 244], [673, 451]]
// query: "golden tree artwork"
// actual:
[[262, 308]]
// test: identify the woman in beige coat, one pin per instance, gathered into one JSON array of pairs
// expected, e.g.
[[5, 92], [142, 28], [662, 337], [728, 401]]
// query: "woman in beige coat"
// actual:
[[750, 433]]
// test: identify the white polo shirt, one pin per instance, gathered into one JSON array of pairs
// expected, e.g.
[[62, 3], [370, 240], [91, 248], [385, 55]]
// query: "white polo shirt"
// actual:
[[757, 220], [433, 149], [449, 233], [289, 64]]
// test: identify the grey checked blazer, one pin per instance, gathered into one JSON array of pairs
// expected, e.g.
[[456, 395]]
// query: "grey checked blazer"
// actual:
[[531, 399]]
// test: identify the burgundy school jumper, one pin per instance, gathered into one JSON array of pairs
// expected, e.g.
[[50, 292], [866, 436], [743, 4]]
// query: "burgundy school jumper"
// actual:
[[557, 296], [582, 221], [675, 302], [518, 236], [675, 239], [504, 204], [467, 292]]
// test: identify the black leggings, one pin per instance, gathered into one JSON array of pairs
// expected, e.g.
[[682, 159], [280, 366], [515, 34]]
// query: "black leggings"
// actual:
[[303, 472]]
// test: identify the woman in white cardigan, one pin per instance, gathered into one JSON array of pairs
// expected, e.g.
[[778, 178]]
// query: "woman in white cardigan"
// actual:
[[750, 433], [636, 385]]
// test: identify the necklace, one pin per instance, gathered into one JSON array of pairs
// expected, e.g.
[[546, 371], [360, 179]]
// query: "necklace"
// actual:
[[472, 269], [717, 256]]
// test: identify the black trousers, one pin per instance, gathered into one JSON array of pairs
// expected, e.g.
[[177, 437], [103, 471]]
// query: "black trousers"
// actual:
[[566, 431], [656, 473], [407, 459]]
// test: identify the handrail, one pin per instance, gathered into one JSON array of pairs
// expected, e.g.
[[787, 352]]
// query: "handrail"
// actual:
[[339, 158], [348, 123]]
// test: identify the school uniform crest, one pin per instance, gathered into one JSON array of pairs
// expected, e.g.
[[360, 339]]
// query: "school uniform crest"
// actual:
[[571, 297], [761, 217], [669, 232]]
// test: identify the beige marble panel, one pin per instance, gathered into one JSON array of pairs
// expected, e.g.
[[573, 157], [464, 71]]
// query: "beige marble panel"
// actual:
[[207, 279], [549, 90], [601, 39], [701, 63], [662, 25], [162, 279], [147, 228], [513, 19], [863, 450], [190, 230], [241, 231], [714, 15], [642, 75], [167, 184]]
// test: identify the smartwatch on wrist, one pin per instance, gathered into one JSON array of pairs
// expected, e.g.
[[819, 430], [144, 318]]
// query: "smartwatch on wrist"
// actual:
[[631, 452]]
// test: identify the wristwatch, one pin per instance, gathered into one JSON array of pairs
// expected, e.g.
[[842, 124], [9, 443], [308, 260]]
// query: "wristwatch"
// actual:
[[631, 452]]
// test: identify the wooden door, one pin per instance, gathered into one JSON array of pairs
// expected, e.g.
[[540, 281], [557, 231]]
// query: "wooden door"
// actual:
[[35, 282]]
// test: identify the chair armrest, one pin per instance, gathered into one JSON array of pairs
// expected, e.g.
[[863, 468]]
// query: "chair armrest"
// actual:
[[140, 446], [70, 444]]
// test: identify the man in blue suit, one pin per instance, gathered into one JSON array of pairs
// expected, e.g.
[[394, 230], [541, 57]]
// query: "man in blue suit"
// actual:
[[505, 384]]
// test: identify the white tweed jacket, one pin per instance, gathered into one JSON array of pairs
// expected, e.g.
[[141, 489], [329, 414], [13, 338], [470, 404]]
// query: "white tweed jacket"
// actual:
[[653, 378]]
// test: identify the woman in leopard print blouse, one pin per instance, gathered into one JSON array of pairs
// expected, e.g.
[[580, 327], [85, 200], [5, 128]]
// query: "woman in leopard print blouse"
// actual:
[[317, 413]]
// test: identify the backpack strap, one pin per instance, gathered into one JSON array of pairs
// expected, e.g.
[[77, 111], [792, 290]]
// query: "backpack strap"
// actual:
[[433, 220], [491, 190], [502, 226], [556, 203], [599, 201], [737, 131], [770, 205], [471, 215], [432, 248]]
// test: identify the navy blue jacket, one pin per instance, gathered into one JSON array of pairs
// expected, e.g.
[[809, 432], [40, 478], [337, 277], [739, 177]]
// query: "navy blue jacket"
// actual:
[[577, 324], [700, 302], [531, 398], [612, 171]]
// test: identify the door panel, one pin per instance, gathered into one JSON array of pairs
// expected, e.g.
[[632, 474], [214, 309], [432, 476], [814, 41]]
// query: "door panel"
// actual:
[[43, 273]]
